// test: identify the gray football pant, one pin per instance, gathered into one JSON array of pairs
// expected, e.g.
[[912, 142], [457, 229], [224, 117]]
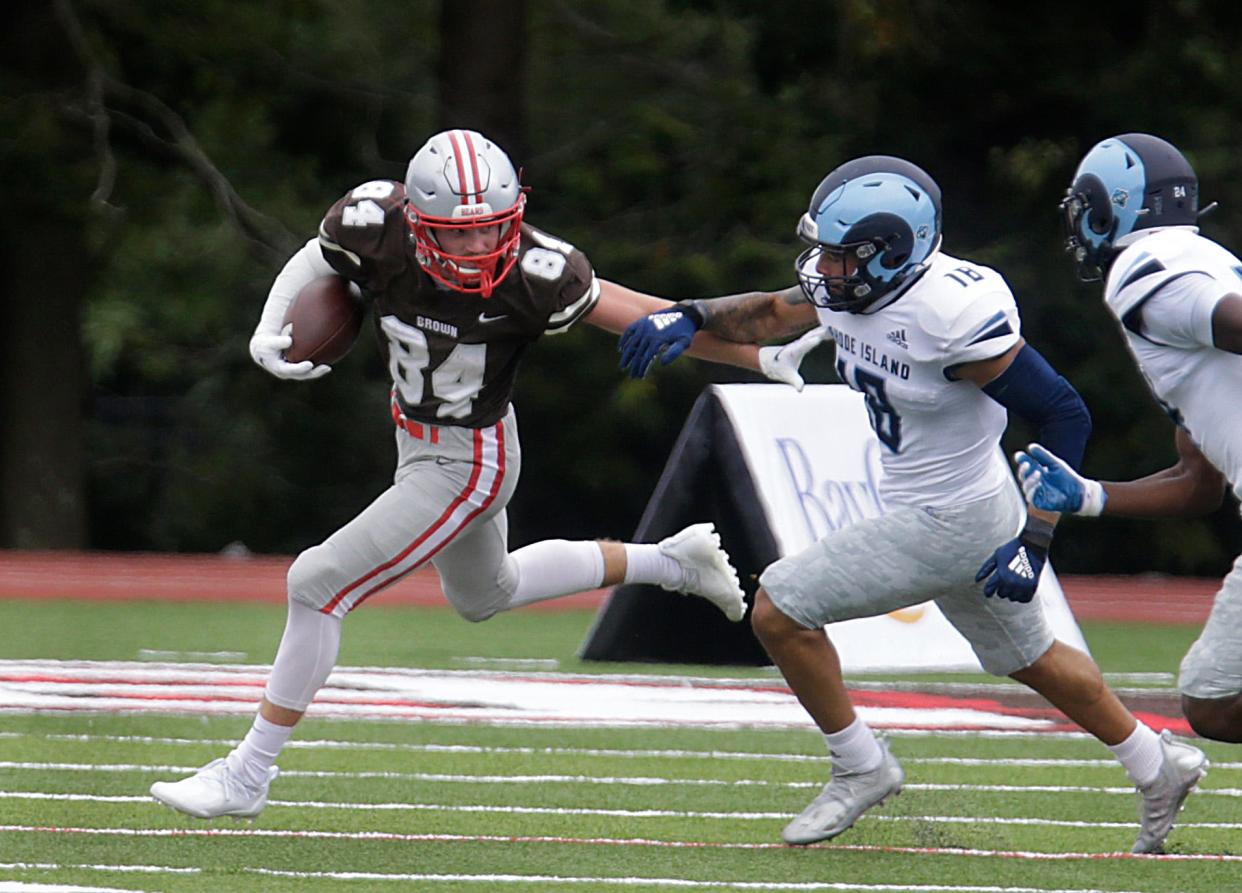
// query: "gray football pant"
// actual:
[[446, 505], [1212, 668], [910, 555]]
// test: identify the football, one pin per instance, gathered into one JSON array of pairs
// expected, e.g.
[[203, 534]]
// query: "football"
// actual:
[[326, 318]]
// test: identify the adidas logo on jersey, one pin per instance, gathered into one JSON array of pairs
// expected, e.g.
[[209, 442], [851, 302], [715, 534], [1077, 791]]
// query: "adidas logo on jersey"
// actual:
[[664, 320], [1020, 564], [898, 337]]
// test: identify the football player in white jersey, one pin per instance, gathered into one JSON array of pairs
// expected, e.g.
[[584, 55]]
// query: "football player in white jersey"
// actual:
[[459, 286], [1131, 218], [934, 344]]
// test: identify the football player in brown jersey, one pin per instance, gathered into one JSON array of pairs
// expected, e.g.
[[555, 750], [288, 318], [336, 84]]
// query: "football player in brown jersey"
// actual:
[[459, 286]]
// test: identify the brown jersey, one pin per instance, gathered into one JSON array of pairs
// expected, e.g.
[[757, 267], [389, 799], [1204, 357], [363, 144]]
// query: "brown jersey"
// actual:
[[453, 356]]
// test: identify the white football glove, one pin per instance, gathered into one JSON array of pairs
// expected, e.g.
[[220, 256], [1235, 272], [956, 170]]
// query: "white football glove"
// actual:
[[267, 349], [781, 362]]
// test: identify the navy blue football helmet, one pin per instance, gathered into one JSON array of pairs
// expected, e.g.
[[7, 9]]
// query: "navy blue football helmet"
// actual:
[[882, 211], [1125, 183]]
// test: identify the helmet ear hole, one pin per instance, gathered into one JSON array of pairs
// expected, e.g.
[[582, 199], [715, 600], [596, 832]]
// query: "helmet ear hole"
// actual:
[[1098, 214], [896, 241]]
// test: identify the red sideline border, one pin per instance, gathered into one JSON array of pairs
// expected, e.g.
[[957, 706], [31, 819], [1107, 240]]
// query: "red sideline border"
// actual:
[[125, 576], [132, 576]]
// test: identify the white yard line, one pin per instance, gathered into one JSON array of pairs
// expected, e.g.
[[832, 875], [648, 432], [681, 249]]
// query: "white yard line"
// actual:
[[404, 806], [122, 869], [609, 753], [540, 779], [510, 663], [672, 883], [24, 887], [152, 654], [218, 831]]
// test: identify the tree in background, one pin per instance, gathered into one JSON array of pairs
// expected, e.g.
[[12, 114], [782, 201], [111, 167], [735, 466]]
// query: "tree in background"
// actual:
[[166, 155]]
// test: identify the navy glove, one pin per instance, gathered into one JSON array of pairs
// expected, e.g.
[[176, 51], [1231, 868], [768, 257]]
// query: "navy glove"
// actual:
[[1013, 570], [664, 334]]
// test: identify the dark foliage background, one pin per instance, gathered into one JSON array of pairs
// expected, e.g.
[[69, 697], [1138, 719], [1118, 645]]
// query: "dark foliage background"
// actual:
[[161, 158]]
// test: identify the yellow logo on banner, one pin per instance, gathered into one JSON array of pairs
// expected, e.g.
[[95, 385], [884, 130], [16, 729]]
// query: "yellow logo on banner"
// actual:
[[908, 615]]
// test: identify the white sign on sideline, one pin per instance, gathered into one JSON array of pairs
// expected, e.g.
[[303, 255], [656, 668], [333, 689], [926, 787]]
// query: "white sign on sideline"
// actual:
[[816, 465]]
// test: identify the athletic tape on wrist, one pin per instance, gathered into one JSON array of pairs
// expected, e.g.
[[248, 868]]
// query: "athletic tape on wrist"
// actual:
[[695, 310], [1037, 533]]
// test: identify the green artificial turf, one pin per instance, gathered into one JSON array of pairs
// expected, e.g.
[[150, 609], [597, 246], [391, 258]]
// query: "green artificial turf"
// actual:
[[471, 807]]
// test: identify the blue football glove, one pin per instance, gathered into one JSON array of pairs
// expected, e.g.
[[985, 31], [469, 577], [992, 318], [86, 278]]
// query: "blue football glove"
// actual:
[[664, 334], [1050, 484], [1013, 570]]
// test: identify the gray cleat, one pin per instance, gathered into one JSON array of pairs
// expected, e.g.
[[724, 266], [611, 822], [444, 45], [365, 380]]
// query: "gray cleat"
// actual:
[[214, 791], [708, 571], [1182, 768], [844, 799]]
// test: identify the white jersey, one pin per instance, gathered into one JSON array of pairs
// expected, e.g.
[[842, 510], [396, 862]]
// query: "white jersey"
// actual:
[[1162, 289], [940, 437]]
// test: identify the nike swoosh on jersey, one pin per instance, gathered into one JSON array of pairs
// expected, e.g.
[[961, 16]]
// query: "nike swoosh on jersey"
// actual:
[[484, 318]]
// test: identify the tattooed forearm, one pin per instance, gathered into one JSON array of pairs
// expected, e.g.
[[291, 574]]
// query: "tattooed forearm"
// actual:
[[752, 316]]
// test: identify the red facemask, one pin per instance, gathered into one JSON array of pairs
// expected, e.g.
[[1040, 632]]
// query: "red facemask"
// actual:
[[475, 273]]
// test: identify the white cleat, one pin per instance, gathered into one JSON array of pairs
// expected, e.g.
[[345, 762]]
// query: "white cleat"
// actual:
[[214, 791], [844, 799], [1182, 768], [708, 571]]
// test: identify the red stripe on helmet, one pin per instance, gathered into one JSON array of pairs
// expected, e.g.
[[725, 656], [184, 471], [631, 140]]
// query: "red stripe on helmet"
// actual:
[[461, 167], [474, 166], [468, 195]]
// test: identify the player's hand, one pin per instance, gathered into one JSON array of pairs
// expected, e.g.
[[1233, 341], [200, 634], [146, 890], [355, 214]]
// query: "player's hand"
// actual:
[[1013, 570], [781, 362], [1050, 484], [267, 349], [664, 334]]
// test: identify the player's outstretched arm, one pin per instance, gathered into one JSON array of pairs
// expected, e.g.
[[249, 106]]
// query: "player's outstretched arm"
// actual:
[[1191, 487], [723, 330]]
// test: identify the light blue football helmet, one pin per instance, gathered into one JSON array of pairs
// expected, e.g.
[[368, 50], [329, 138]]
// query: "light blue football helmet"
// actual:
[[1125, 183], [883, 211]]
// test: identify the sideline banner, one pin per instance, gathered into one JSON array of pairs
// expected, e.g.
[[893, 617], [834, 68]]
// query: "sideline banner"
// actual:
[[815, 465]]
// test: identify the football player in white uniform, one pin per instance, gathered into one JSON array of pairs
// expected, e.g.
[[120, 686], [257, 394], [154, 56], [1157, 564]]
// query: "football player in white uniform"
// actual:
[[934, 345], [1131, 218], [459, 287]]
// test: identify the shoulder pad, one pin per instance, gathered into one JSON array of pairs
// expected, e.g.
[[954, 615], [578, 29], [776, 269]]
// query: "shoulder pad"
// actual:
[[559, 277], [1144, 267], [971, 322], [364, 232]]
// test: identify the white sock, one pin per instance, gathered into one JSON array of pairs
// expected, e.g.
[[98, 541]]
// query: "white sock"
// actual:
[[1141, 754], [552, 568], [855, 748], [645, 563], [258, 751]]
